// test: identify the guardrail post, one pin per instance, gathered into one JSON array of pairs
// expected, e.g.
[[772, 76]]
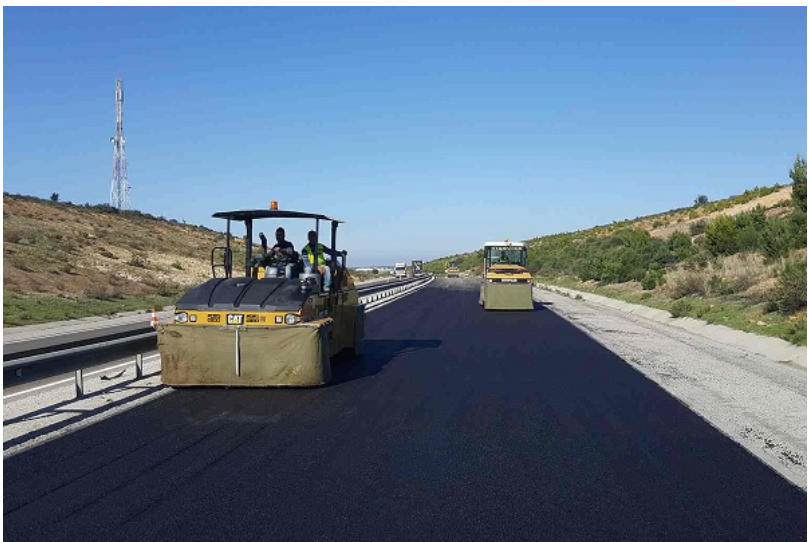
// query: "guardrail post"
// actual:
[[79, 383], [138, 366]]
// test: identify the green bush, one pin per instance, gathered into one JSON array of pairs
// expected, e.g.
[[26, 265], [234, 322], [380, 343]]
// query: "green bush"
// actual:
[[679, 243], [697, 228], [750, 227], [797, 175], [749, 240], [722, 236], [798, 229], [682, 308], [789, 295], [652, 279], [777, 238]]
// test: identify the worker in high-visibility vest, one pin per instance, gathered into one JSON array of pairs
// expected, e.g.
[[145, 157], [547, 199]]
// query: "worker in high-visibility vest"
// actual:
[[308, 258]]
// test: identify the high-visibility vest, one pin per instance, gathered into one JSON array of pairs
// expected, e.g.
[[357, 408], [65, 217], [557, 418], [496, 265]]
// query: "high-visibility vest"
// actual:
[[307, 252]]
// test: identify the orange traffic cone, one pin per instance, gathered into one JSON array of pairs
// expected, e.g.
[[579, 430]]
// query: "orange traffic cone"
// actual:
[[153, 318]]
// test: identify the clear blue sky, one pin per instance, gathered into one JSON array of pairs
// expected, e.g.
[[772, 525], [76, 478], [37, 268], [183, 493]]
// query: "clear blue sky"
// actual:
[[428, 130]]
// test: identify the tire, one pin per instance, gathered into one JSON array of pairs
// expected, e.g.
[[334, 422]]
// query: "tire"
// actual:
[[359, 333]]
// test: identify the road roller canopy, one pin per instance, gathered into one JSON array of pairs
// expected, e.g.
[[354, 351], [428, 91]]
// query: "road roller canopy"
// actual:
[[256, 214], [250, 215], [504, 244]]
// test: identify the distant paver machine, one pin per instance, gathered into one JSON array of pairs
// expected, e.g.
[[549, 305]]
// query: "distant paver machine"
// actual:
[[507, 285], [263, 329]]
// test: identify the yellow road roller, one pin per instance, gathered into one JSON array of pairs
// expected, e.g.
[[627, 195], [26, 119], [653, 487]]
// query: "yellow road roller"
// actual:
[[507, 285], [452, 271], [277, 325]]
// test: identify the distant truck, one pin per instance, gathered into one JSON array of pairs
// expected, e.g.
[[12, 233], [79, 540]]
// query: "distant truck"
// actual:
[[400, 270]]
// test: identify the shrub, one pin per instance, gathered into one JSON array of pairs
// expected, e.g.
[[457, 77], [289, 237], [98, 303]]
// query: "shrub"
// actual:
[[138, 260], [777, 238], [798, 227], [697, 228], [749, 239], [682, 308], [167, 289], [701, 200], [177, 265], [722, 235], [679, 243], [54, 197], [750, 225], [682, 283], [652, 279], [797, 175], [789, 294]]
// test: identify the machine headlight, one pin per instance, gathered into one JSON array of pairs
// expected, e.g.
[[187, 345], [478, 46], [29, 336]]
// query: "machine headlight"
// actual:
[[291, 319], [181, 317]]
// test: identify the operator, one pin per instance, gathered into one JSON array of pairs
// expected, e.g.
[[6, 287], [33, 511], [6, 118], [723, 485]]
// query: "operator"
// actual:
[[284, 252], [308, 258]]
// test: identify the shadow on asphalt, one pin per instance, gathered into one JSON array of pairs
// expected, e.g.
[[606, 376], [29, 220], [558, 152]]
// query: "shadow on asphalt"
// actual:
[[64, 407], [378, 353]]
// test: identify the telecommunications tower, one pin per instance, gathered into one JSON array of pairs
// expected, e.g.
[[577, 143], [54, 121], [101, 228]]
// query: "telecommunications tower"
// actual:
[[119, 193]]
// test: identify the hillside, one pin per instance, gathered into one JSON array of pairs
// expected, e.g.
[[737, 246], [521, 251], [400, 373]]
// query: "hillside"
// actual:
[[63, 260], [738, 261]]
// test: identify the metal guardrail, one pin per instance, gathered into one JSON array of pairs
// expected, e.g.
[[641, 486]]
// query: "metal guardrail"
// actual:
[[374, 295], [392, 290], [21, 356]]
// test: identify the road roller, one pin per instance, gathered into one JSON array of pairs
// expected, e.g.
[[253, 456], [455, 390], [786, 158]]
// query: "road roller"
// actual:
[[277, 325], [452, 271], [507, 285]]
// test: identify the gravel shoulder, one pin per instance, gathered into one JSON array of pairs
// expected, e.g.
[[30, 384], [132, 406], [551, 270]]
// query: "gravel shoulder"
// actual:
[[759, 403]]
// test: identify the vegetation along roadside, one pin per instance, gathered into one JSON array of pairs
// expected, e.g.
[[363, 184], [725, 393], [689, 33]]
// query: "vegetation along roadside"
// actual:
[[740, 262]]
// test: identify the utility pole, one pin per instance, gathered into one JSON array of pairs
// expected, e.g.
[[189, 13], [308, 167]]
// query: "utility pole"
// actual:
[[119, 193]]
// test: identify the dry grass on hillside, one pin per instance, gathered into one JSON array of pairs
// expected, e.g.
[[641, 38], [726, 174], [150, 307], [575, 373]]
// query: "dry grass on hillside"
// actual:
[[71, 251], [664, 225]]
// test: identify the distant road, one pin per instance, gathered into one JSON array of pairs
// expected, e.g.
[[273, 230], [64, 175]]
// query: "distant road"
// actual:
[[457, 424]]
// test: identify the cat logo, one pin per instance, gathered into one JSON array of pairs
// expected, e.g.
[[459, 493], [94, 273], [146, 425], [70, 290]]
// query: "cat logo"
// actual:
[[235, 319]]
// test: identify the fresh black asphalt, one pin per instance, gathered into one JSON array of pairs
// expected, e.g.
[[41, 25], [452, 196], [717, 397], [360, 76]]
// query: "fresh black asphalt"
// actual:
[[457, 424]]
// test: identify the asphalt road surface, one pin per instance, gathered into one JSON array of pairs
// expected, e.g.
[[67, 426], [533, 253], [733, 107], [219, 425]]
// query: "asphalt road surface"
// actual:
[[457, 424]]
